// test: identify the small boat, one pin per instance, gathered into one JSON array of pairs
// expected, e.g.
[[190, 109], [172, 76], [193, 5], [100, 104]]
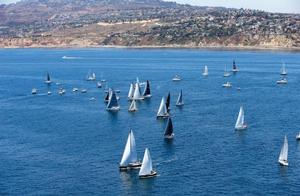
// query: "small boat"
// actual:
[[48, 80], [49, 92], [227, 85], [298, 136], [226, 73], [146, 170], [284, 153], [103, 80], [169, 130], [83, 90], [61, 91], [234, 67], [75, 89], [282, 81], [99, 85], [34, 91], [113, 104], [137, 93], [132, 107], [129, 159], [205, 72], [179, 99], [91, 76], [176, 78], [130, 92], [147, 92], [240, 122], [283, 70], [162, 111], [168, 101]]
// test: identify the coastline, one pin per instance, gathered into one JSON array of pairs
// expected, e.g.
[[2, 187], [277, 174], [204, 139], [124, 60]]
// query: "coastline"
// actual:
[[215, 47]]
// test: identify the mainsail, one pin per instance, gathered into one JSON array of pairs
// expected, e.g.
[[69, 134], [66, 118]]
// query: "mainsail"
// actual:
[[147, 92], [146, 168], [129, 154], [205, 73], [130, 92], [168, 102], [132, 106], [137, 92]]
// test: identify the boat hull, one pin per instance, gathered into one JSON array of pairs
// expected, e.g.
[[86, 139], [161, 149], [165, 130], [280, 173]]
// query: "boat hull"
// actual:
[[241, 127], [136, 165], [179, 104], [169, 136], [113, 108], [153, 174], [283, 162]]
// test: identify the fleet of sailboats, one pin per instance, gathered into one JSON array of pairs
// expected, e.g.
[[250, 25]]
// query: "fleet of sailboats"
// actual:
[[283, 156], [129, 159], [240, 122]]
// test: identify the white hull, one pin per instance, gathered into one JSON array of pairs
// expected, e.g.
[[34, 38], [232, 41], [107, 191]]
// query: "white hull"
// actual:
[[281, 82], [169, 136], [163, 116], [48, 81], [241, 127], [226, 85], [226, 75], [235, 70], [205, 74], [113, 108], [283, 162], [136, 165]]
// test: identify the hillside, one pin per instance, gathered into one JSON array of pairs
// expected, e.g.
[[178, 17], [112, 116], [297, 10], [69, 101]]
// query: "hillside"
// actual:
[[155, 23]]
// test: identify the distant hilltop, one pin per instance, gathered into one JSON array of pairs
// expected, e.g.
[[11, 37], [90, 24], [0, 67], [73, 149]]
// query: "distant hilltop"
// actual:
[[142, 23]]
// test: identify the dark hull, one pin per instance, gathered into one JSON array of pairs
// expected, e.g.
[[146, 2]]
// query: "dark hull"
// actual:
[[148, 176]]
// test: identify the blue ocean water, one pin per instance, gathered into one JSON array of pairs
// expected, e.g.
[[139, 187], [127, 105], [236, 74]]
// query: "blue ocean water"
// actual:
[[59, 145]]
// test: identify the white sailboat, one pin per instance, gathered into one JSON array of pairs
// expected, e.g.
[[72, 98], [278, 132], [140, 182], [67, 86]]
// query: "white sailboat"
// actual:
[[283, 70], [162, 110], [284, 153], [132, 107], [205, 72], [176, 78], [226, 73], [282, 81], [179, 99], [240, 122], [137, 93], [146, 170], [298, 136], [91, 76], [129, 158], [34, 91], [130, 92]]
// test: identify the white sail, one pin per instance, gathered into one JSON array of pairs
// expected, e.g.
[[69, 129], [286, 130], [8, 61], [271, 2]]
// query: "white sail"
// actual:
[[283, 70], [93, 76], [162, 111], [132, 106], [284, 151], [179, 99], [205, 73], [137, 92], [129, 154], [240, 120], [146, 168], [131, 91], [226, 73], [137, 80]]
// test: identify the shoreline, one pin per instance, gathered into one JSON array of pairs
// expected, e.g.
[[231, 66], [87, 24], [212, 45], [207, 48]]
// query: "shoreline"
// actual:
[[296, 49]]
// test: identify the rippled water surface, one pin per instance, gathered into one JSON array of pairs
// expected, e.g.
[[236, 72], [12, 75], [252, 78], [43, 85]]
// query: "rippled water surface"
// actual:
[[51, 144]]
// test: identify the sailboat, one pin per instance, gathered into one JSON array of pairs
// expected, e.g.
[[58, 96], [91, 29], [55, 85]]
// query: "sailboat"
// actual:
[[283, 70], [168, 102], [146, 170], [179, 99], [227, 85], [48, 80], [226, 73], [147, 92], [234, 67], [205, 72], [162, 111], [284, 153], [137, 92], [129, 158], [283, 80], [130, 92], [169, 130], [240, 122], [298, 136], [176, 78], [91, 76], [34, 91], [99, 85], [113, 104], [132, 107]]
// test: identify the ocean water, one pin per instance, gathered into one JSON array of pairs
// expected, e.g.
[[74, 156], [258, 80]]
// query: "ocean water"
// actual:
[[70, 145]]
